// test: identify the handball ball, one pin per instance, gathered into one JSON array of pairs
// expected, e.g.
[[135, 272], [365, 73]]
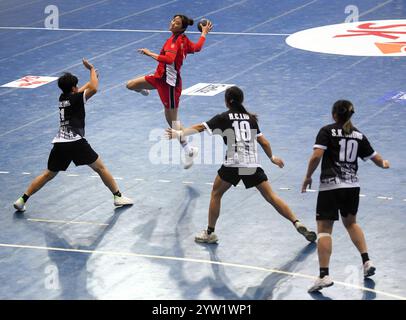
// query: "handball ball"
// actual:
[[201, 23]]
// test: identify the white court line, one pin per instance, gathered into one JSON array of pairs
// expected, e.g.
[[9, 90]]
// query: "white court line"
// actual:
[[29, 123], [19, 6], [193, 182], [68, 222], [375, 8], [384, 198], [77, 64], [147, 31], [226, 264], [282, 15], [78, 34]]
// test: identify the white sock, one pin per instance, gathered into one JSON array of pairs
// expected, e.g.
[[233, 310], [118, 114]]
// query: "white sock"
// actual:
[[186, 147]]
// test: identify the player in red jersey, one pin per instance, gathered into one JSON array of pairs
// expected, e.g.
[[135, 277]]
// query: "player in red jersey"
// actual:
[[167, 79]]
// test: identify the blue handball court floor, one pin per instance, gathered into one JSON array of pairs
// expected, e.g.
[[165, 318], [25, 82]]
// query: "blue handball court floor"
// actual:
[[72, 243]]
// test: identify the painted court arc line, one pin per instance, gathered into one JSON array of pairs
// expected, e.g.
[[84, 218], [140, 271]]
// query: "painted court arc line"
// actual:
[[226, 264]]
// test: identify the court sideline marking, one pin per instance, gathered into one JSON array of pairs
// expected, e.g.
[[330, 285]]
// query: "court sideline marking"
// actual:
[[225, 264], [145, 31]]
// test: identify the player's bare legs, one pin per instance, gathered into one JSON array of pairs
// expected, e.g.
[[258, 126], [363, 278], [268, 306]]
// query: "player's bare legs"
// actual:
[[140, 85], [358, 238], [35, 186], [279, 205], [40, 181], [324, 250], [355, 232], [325, 243], [219, 188], [108, 180], [284, 210]]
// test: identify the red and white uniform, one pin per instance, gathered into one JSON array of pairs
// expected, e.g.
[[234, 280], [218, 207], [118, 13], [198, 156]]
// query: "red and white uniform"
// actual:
[[166, 78]]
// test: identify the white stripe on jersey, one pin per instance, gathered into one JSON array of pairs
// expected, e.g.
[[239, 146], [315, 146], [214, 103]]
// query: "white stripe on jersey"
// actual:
[[371, 156], [171, 74], [319, 146], [207, 128]]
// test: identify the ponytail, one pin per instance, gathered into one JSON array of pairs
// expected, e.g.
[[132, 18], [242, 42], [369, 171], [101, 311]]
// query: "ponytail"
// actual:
[[343, 111], [235, 97], [241, 109]]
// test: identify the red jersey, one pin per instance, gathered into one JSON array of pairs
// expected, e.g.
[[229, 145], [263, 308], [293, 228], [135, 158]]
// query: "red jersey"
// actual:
[[172, 55]]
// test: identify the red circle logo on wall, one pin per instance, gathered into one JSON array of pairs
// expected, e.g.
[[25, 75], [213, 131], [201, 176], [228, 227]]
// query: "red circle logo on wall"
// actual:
[[362, 38]]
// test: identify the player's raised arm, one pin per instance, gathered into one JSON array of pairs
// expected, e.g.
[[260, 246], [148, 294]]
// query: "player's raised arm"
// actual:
[[90, 88], [196, 47]]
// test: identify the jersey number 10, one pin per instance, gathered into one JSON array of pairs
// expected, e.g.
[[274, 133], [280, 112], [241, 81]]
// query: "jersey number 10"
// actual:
[[348, 150]]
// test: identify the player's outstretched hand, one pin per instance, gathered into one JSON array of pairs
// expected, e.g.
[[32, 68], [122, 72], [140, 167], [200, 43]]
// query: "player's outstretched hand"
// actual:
[[145, 51], [172, 134], [277, 161], [306, 183], [87, 64], [207, 28]]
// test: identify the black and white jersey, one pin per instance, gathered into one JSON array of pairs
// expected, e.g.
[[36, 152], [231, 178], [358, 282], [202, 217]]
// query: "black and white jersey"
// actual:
[[72, 117], [239, 132], [340, 160]]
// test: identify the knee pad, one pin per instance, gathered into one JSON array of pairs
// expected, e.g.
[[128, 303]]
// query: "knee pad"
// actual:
[[323, 234]]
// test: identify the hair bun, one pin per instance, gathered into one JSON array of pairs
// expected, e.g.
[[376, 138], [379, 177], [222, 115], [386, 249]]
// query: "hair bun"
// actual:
[[190, 22]]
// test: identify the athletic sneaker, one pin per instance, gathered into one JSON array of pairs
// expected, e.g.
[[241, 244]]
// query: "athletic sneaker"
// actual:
[[19, 205], [122, 201], [369, 269], [309, 235], [144, 92], [204, 237], [194, 151], [321, 283]]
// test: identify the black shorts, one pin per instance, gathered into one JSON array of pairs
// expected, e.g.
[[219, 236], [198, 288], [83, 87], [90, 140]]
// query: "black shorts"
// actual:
[[63, 153], [329, 203], [251, 177]]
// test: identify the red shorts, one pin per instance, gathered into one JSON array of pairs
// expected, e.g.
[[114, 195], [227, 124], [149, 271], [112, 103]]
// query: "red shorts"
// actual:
[[169, 95]]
